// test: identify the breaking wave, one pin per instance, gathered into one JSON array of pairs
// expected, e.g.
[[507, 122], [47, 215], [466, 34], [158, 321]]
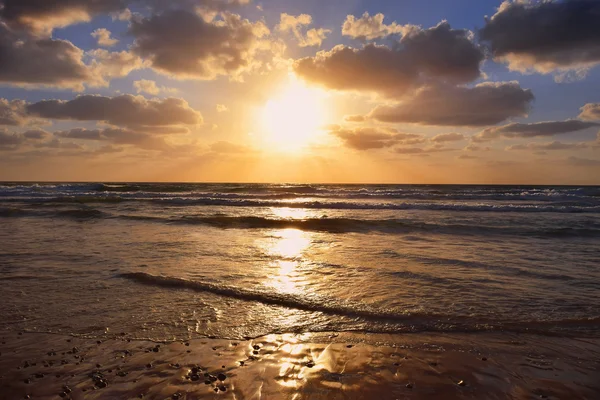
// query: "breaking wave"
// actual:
[[410, 321]]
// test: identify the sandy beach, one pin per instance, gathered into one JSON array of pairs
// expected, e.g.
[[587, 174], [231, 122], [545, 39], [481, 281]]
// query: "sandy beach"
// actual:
[[301, 366]]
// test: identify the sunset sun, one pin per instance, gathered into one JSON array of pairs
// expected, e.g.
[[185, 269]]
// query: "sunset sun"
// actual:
[[294, 117]]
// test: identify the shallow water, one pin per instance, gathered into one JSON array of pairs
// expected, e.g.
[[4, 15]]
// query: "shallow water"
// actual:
[[173, 261]]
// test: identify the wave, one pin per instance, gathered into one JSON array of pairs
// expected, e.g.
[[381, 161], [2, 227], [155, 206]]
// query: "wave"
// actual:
[[347, 225], [327, 225], [321, 205], [567, 195], [416, 321]]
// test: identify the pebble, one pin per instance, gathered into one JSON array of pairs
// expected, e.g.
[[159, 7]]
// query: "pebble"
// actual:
[[483, 359], [195, 377], [409, 385], [148, 365], [350, 346], [207, 382], [461, 383], [222, 388], [310, 364], [256, 347], [221, 377], [212, 378]]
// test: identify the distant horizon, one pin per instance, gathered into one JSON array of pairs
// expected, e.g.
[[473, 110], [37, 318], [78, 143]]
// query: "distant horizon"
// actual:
[[304, 183]]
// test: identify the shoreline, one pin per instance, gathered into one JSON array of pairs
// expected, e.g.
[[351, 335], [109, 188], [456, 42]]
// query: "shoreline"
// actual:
[[301, 366]]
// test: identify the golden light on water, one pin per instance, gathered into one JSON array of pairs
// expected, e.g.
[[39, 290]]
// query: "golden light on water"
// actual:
[[294, 118], [290, 243], [287, 246]]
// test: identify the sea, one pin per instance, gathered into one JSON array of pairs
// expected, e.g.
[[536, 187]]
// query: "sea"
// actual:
[[171, 261]]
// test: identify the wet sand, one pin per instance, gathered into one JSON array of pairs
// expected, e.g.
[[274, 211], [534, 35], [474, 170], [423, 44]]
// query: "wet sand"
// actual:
[[306, 366]]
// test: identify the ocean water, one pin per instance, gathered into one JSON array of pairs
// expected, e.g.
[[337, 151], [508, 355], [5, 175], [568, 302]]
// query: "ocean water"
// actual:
[[179, 261]]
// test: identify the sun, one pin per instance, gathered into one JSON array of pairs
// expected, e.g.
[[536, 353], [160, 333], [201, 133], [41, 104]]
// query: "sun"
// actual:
[[294, 118]]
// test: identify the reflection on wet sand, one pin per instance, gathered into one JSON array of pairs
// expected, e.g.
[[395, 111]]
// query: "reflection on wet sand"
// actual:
[[307, 366]]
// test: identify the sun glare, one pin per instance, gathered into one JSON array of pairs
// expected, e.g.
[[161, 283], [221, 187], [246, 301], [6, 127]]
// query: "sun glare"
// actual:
[[294, 118]]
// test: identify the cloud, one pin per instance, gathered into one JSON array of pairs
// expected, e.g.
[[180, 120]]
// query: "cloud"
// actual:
[[582, 162], [41, 62], [367, 138], [536, 129], [545, 36], [12, 112], [106, 65], [439, 53], [222, 108], [484, 104], [467, 157], [117, 136], [474, 147], [548, 146], [146, 86], [590, 111], [370, 27], [182, 44], [421, 151], [42, 16], [312, 37], [13, 141], [448, 137], [102, 35], [225, 147], [125, 110], [355, 118], [150, 87]]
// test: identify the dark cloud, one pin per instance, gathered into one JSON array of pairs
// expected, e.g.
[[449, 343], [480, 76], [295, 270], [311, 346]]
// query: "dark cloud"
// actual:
[[10, 140], [545, 35], [43, 62], [583, 162], [41, 16], [590, 111], [548, 146], [367, 138], [485, 104], [537, 129], [439, 53], [448, 137], [183, 44], [13, 141], [118, 136], [126, 110], [36, 134]]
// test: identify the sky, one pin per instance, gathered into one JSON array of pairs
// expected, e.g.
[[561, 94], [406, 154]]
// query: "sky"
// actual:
[[323, 91]]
